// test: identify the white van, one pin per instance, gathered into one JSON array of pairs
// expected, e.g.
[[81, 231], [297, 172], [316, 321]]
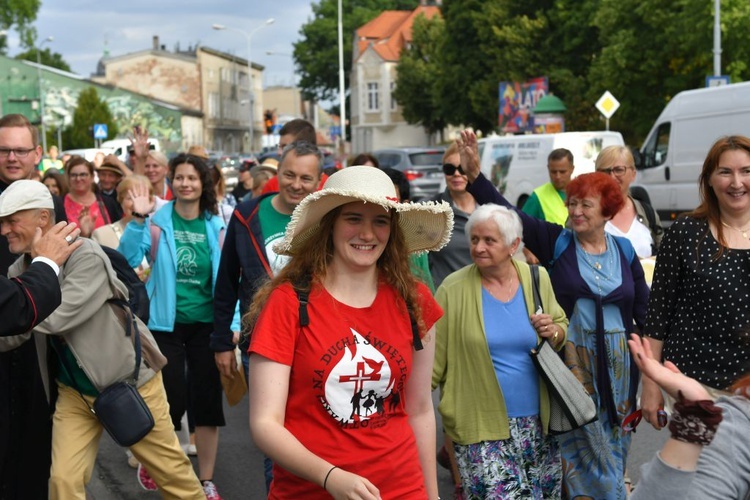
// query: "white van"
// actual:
[[672, 155], [120, 147], [88, 153], [517, 164]]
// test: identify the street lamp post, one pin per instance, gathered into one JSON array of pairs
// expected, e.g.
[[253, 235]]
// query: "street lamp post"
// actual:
[[41, 91], [251, 96]]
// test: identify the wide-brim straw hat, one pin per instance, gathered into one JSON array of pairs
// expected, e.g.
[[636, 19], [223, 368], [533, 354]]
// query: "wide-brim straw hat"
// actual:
[[426, 225]]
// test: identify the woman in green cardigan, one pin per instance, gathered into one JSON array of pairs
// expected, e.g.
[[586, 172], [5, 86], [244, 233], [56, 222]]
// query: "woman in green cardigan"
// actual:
[[493, 404]]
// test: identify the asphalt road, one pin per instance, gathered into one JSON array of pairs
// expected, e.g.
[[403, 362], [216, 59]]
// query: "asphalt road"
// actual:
[[239, 467]]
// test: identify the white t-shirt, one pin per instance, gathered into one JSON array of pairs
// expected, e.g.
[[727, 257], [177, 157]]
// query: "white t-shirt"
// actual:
[[638, 234]]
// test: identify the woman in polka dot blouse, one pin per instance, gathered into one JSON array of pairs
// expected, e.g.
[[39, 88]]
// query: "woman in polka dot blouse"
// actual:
[[700, 299]]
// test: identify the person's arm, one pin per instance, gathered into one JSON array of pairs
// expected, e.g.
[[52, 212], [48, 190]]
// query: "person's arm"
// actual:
[[225, 299], [538, 235], [677, 457], [269, 389], [135, 242], [141, 147], [421, 412], [85, 278], [662, 306]]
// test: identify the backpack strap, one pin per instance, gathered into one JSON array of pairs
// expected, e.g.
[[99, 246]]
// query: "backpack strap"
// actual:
[[302, 289]]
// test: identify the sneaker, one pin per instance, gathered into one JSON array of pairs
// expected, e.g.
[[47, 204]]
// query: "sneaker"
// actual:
[[192, 450], [145, 480], [133, 462], [209, 488]]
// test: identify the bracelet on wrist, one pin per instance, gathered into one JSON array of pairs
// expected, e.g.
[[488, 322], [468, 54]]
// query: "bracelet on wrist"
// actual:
[[695, 421], [139, 215], [325, 481]]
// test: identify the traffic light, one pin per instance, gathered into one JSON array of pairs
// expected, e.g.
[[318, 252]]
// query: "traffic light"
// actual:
[[268, 119]]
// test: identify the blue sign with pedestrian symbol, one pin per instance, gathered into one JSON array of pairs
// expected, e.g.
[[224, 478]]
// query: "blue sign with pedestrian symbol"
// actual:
[[100, 131]]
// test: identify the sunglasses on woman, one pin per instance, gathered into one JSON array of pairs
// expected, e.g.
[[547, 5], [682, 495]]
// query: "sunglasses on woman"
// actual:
[[450, 169]]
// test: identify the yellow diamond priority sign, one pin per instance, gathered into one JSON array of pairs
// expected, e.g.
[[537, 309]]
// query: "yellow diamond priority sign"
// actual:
[[607, 104]]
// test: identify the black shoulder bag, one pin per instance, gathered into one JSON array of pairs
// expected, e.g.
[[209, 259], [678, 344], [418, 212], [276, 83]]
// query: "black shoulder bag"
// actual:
[[120, 408]]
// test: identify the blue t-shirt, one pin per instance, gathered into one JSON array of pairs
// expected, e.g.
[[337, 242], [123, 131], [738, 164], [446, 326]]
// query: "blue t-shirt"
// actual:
[[511, 337]]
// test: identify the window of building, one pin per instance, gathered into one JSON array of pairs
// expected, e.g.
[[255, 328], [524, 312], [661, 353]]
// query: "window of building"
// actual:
[[373, 97], [213, 105]]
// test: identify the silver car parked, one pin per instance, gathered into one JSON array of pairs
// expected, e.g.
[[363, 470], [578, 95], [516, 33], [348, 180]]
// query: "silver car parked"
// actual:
[[423, 168]]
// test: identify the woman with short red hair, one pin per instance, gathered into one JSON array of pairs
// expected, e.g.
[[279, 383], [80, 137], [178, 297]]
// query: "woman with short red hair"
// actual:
[[599, 282]]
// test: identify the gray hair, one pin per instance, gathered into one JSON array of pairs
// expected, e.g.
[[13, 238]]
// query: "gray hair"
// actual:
[[507, 221], [302, 148]]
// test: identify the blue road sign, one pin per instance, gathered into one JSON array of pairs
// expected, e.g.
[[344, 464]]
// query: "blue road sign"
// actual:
[[100, 131], [717, 81]]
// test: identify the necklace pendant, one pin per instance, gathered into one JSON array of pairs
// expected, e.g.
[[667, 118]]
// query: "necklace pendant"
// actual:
[[598, 266], [744, 234]]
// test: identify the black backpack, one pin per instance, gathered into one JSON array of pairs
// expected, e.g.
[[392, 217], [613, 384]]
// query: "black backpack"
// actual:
[[137, 295]]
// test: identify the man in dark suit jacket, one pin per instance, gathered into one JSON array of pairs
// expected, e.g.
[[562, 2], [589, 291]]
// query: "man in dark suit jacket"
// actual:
[[25, 423]]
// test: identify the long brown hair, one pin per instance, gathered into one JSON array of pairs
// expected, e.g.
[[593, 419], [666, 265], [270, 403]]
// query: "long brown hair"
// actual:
[[309, 267], [709, 207]]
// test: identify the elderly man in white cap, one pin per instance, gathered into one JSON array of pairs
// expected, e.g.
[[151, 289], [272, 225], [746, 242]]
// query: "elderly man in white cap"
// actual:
[[93, 351]]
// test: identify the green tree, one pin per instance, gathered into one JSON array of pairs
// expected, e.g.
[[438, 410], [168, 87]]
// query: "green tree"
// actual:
[[19, 15], [418, 70], [89, 110], [316, 54], [46, 56]]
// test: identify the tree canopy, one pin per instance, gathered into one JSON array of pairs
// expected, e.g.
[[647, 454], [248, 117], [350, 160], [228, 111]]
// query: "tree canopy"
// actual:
[[19, 15], [643, 51], [90, 110], [46, 56]]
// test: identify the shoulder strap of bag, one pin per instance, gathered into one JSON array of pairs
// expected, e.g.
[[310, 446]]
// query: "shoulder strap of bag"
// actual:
[[535, 287]]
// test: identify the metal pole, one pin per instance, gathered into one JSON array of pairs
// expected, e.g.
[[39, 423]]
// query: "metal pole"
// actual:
[[717, 38], [41, 99], [342, 90], [251, 94]]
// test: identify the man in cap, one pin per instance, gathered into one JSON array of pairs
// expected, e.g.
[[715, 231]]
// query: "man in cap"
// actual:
[[262, 174], [25, 426], [93, 351]]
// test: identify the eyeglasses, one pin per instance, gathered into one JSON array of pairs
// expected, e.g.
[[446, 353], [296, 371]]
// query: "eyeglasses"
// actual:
[[19, 152], [79, 176], [450, 169], [618, 171]]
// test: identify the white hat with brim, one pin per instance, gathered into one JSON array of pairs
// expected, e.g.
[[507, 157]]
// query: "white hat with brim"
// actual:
[[25, 195], [426, 226]]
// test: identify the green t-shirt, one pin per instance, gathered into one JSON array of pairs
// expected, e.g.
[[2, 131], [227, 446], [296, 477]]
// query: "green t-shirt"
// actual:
[[194, 297], [273, 226], [70, 373]]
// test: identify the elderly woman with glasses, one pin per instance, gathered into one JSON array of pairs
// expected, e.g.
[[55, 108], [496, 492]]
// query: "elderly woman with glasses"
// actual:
[[636, 220], [455, 254], [599, 282]]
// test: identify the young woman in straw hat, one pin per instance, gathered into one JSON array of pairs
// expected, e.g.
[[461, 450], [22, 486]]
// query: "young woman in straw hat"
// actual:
[[340, 382]]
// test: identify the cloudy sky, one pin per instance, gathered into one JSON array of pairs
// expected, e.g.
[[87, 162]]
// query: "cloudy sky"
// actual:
[[81, 27]]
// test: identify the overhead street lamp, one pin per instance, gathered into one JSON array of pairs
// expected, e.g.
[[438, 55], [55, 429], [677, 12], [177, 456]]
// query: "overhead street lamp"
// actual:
[[248, 36], [41, 91]]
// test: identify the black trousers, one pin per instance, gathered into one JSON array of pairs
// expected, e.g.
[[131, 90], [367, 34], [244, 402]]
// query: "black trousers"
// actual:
[[25, 426], [200, 385]]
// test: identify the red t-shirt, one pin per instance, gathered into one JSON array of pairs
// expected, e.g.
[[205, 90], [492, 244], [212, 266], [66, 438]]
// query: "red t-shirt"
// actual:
[[346, 388]]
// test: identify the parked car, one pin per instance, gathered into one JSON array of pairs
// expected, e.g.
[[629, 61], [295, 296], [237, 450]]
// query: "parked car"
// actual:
[[423, 168]]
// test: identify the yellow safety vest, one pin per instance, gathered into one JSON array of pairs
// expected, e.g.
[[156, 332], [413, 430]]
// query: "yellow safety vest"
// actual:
[[552, 204]]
